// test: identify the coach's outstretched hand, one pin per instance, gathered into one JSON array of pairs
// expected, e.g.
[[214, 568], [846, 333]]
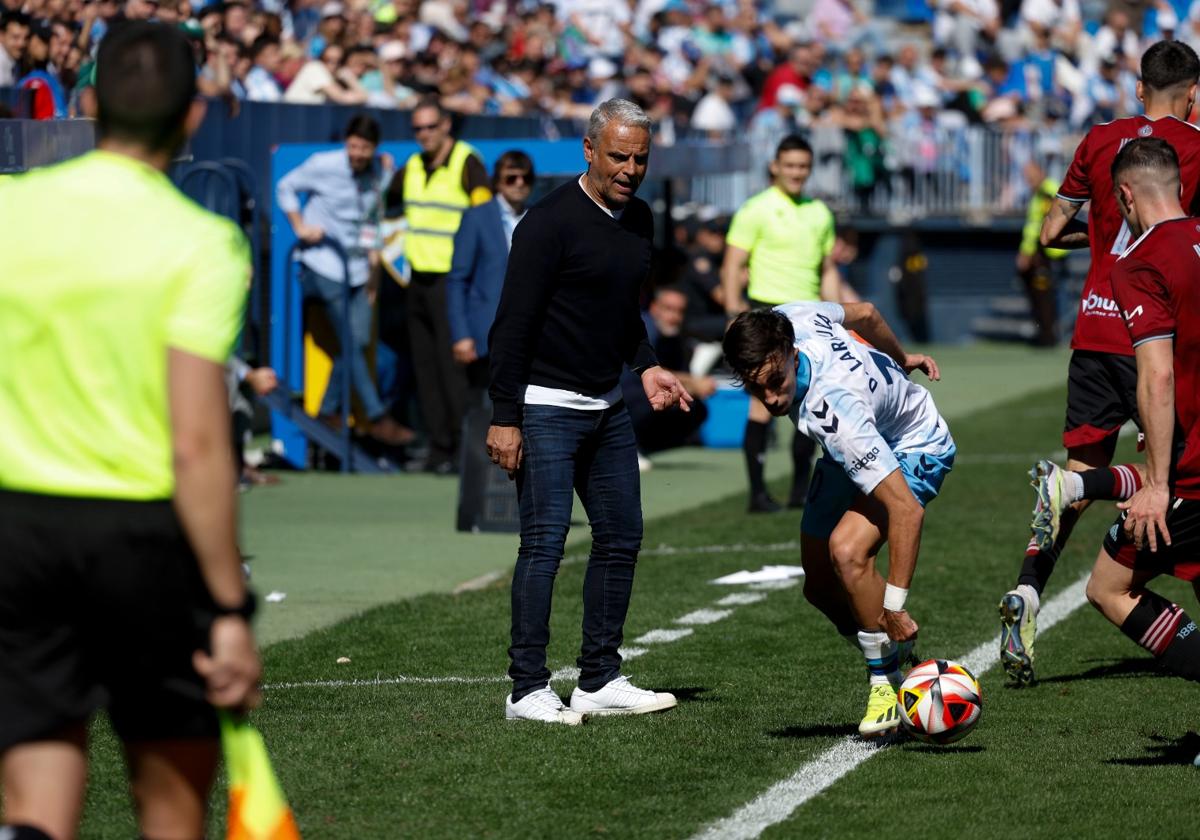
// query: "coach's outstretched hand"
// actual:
[[899, 625], [923, 363], [664, 390], [233, 668], [505, 448]]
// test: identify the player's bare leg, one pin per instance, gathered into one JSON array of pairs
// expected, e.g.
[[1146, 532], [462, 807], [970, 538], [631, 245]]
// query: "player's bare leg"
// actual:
[[44, 783], [823, 587], [1164, 629], [1019, 606], [170, 781], [853, 547]]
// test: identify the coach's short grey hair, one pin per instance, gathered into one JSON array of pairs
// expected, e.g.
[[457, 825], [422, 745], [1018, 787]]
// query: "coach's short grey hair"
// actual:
[[620, 111]]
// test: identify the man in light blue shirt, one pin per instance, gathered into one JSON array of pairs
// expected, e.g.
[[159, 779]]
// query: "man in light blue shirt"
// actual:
[[343, 207]]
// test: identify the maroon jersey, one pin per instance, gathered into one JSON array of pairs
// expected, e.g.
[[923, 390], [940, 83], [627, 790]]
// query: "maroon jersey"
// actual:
[[1157, 286], [1099, 325]]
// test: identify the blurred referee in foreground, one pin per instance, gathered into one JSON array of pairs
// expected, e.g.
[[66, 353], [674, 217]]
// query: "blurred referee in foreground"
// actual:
[[120, 580]]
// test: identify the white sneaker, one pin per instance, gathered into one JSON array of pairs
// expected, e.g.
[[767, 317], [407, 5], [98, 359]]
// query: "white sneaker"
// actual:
[[644, 463], [620, 697], [543, 705]]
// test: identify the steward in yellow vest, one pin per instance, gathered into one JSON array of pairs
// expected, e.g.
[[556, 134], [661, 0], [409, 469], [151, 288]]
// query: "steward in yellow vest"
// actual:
[[432, 191]]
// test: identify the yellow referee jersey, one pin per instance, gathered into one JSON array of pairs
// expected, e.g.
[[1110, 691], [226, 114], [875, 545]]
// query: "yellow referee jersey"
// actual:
[[787, 240], [104, 265]]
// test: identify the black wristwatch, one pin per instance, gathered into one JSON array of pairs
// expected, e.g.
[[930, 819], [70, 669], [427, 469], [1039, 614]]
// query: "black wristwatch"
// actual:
[[245, 609]]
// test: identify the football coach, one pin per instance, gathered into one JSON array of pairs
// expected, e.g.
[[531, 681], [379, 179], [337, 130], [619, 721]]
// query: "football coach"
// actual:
[[567, 322]]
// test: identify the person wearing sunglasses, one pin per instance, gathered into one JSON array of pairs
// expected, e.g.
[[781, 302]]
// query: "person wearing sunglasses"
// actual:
[[432, 191], [476, 276]]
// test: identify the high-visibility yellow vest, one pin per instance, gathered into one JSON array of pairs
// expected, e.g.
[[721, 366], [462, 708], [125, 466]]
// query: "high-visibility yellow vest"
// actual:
[[433, 207]]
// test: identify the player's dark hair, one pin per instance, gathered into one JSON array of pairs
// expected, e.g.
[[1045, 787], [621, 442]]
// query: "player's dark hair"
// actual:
[[512, 159], [1170, 64], [753, 338], [145, 83], [792, 143], [1150, 153], [365, 128]]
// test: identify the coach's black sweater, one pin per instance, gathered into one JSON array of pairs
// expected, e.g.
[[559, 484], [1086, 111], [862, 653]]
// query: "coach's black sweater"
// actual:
[[568, 316]]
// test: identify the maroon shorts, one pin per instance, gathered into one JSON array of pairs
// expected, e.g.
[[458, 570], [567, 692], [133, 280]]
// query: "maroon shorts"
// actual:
[[1101, 397], [1181, 559]]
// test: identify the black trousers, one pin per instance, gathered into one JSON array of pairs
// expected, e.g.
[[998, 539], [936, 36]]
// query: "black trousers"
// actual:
[[441, 382]]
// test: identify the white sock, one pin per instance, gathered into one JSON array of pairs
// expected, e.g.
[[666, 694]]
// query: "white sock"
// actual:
[[881, 662], [1032, 600], [1073, 485]]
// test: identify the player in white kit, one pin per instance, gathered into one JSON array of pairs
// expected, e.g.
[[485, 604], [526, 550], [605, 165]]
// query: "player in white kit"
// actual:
[[887, 451]]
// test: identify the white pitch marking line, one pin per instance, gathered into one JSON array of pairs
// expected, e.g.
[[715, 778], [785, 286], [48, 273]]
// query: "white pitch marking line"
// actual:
[[661, 636], [400, 680], [779, 801], [704, 617], [740, 599], [773, 585], [632, 652]]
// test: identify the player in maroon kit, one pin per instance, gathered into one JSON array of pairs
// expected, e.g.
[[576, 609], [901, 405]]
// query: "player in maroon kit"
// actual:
[[1157, 285], [1102, 374]]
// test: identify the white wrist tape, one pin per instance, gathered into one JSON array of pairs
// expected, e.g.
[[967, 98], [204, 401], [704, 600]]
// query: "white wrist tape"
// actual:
[[894, 598]]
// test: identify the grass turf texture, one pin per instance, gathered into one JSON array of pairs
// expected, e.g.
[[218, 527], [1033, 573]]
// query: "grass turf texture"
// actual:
[[1091, 748]]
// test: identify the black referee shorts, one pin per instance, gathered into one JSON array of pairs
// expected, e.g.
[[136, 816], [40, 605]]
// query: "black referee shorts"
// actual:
[[1101, 397], [101, 606]]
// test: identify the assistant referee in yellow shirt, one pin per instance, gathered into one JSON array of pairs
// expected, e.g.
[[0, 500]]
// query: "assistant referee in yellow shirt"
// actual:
[[120, 581], [781, 242]]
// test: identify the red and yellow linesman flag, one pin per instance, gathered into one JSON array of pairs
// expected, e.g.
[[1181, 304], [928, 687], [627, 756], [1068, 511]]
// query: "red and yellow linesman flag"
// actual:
[[257, 807]]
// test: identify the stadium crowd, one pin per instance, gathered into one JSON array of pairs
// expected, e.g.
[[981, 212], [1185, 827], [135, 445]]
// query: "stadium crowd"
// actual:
[[872, 69]]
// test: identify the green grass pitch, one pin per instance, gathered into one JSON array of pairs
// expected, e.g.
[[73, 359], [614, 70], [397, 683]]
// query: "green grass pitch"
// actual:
[[1094, 749]]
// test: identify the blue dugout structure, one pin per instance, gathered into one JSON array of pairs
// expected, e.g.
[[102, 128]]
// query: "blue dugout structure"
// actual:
[[552, 158]]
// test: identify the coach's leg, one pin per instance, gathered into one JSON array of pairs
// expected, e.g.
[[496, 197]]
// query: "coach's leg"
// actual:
[[170, 781], [44, 782], [551, 437], [609, 485]]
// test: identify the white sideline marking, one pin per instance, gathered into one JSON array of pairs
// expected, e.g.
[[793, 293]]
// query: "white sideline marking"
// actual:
[[400, 680], [778, 802], [632, 652], [772, 585], [704, 617], [658, 637], [739, 599]]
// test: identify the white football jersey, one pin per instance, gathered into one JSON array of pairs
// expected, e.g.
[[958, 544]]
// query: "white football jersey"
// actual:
[[860, 405]]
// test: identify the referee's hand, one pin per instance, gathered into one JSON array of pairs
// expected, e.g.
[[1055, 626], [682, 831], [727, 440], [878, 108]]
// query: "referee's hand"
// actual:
[[231, 672]]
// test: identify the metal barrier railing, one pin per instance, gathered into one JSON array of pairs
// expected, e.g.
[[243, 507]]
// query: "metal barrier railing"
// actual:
[[957, 170]]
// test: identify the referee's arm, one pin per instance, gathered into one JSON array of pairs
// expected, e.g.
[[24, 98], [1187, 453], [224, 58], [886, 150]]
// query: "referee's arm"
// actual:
[[733, 279], [831, 280]]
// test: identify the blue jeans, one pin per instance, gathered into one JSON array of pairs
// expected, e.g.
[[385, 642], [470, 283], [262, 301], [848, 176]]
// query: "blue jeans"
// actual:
[[594, 454], [332, 294]]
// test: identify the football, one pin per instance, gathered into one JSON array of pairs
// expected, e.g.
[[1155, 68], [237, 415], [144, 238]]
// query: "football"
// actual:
[[940, 702]]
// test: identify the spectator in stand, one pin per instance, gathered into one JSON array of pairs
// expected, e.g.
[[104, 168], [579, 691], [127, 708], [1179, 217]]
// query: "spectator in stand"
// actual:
[[797, 71], [476, 276], [866, 133], [343, 188], [1116, 40], [904, 75], [432, 191], [14, 41], [326, 80], [705, 317], [966, 26], [714, 114], [330, 30], [260, 81], [386, 86], [1061, 18], [49, 96]]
